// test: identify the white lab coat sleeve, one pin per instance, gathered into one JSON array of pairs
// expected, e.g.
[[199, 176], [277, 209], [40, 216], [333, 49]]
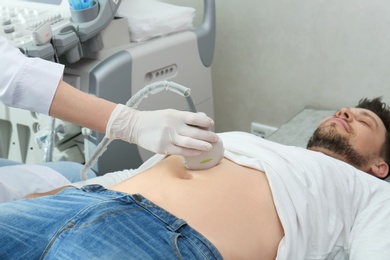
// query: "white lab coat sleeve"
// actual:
[[27, 83]]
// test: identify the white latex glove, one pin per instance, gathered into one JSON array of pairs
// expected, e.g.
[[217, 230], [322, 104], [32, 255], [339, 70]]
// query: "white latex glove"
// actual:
[[166, 131]]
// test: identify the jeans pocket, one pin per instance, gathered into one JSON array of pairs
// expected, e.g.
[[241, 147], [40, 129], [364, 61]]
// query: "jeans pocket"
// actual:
[[185, 248], [175, 245]]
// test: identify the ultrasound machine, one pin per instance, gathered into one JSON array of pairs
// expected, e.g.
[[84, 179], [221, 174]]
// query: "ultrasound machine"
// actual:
[[101, 59]]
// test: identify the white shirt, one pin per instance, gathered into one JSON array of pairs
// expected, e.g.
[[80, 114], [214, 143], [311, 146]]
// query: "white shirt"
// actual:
[[328, 209], [27, 83], [17, 181]]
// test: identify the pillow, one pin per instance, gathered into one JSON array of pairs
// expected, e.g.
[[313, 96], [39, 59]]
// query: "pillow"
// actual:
[[298, 130]]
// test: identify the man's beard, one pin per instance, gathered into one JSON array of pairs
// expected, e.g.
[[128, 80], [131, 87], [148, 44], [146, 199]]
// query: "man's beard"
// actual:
[[331, 140]]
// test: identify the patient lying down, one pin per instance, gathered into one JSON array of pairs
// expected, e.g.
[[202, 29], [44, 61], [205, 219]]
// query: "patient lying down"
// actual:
[[212, 200], [263, 201]]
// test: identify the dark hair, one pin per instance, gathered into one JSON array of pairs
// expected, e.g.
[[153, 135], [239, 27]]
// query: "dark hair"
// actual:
[[383, 112]]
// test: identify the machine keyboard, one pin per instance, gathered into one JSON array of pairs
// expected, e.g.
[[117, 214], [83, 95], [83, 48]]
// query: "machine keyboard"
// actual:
[[17, 22]]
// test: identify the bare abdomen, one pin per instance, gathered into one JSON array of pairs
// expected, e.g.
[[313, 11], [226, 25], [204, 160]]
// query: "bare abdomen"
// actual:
[[231, 205]]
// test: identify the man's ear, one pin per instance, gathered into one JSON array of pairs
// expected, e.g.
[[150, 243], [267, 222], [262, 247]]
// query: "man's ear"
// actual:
[[380, 169]]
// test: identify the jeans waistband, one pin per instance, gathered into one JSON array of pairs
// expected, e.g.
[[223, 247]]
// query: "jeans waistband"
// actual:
[[173, 223]]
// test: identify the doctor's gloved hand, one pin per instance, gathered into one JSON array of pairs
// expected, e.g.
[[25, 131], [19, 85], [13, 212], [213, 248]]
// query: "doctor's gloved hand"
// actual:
[[166, 131]]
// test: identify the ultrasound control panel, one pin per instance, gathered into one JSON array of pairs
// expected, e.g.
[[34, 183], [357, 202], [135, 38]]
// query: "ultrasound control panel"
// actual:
[[18, 19]]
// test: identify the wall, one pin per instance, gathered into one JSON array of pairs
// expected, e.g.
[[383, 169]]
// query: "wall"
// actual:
[[274, 57]]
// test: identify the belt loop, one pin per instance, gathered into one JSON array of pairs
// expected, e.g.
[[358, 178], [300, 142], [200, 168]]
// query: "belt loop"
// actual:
[[177, 225]]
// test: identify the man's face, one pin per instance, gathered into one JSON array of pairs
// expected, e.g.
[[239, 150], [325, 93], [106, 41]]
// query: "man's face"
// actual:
[[354, 135]]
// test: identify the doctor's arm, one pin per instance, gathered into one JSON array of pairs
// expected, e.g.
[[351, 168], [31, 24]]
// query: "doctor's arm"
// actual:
[[35, 84], [73, 105], [163, 131]]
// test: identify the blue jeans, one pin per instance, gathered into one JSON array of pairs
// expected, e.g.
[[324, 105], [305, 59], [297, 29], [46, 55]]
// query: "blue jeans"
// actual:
[[95, 223]]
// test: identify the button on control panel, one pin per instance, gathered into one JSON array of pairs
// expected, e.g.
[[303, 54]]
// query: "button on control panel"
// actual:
[[18, 21]]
